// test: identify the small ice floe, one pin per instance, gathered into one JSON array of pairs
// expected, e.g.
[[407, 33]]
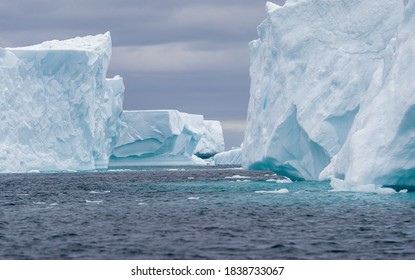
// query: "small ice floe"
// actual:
[[39, 203], [94, 201], [172, 169], [243, 180], [54, 204], [284, 180], [22, 194], [119, 170], [342, 186], [237, 177], [190, 178], [193, 198], [33, 171], [99, 192], [403, 191], [142, 203], [274, 191]]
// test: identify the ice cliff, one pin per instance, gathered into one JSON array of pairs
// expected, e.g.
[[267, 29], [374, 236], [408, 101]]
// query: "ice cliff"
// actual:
[[57, 109], [164, 138], [333, 92]]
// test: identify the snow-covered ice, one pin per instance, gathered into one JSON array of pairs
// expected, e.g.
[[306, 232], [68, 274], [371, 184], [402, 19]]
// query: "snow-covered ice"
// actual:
[[333, 92], [57, 109]]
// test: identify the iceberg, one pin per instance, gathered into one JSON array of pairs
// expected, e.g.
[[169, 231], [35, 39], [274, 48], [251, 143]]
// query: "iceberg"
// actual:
[[332, 92], [231, 157], [212, 141], [158, 138], [57, 109]]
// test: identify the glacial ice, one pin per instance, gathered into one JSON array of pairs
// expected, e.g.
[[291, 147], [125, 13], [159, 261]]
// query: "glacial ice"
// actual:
[[333, 92], [57, 109], [212, 141], [231, 157], [158, 138]]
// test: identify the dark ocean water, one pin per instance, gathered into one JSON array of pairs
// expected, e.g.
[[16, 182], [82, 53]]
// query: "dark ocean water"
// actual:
[[197, 214]]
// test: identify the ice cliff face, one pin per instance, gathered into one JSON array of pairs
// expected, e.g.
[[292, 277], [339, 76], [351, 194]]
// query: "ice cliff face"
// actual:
[[158, 138], [57, 109], [333, 89]]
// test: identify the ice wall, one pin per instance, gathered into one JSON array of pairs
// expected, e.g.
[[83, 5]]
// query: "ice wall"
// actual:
[[332, 90], [380, 148], [158, 138], [57, 109]]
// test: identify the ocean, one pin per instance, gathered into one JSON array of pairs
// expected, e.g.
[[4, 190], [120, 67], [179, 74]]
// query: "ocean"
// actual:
[[197, 213]]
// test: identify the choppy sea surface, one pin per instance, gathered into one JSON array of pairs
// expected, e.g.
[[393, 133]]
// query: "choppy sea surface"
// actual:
[[197, 213]]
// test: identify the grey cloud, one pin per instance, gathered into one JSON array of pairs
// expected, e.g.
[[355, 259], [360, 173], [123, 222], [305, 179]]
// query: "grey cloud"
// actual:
[[135, 22]]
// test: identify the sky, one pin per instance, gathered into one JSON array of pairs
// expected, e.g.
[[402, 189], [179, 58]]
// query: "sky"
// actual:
[[188, 55]]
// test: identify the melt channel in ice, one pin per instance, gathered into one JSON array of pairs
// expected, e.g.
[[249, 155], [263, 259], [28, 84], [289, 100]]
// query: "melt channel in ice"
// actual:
[[57, 109], [333, 92]]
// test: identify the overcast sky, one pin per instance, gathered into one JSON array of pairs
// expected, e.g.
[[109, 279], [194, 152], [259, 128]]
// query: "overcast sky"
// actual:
[[187, 55]]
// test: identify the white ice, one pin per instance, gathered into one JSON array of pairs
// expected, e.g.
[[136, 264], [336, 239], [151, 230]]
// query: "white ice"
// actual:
[[158, 138], [57, 109], [333, 92], [231, 157]]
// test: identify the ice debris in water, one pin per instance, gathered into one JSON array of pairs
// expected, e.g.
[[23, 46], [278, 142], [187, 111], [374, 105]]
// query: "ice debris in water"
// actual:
[[99, 192], [281, 181], [237, 177], [94, 201], [280, 191]]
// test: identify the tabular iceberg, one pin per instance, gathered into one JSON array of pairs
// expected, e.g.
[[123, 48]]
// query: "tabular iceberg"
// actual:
[[158, 138], [333, 94], [231, 157], [212, 141], [57, 109]]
